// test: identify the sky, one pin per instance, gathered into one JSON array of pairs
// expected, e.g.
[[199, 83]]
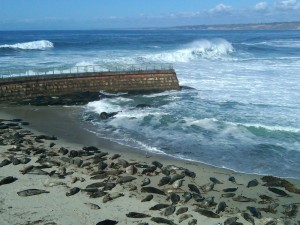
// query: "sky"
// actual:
[[114, 14]]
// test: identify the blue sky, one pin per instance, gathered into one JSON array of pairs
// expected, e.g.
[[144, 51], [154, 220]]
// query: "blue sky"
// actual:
[[105, 14]]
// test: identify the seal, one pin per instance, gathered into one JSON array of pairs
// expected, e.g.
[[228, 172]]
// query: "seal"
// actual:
[[175, 198], [194, 188], [182, 210], [164, 180], [169, 210], [107, 222], [184, 217], [8, 180], [146, 181], [31, 192], [159, 206], [206, 213], [147, 198], [152, 190], [137, 215], [162, 220], [73, 191]]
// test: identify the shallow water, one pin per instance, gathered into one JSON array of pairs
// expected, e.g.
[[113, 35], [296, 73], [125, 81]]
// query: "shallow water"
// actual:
[[243, 112]]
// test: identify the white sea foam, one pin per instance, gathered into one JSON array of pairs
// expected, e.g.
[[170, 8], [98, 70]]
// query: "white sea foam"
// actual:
[[207, 49], [33, 45], [277, 43]]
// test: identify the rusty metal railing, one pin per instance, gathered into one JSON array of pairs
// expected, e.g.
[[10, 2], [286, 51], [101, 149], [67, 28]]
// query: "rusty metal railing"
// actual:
[[85, 69]]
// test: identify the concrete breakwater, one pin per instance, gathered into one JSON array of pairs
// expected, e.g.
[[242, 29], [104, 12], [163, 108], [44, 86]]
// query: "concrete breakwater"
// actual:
[[26, 87]]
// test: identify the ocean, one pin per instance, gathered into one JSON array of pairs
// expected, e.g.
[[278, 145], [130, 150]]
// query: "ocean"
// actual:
[[241, 112]]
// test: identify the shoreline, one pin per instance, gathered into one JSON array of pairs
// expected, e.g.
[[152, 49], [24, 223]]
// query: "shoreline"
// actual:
[[53, 120], [58, 121]]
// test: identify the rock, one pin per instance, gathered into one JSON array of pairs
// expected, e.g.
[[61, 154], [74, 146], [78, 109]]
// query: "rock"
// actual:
[[105, 115]]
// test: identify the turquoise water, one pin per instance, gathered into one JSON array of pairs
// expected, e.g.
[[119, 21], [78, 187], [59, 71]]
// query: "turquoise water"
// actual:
[[243, 112]]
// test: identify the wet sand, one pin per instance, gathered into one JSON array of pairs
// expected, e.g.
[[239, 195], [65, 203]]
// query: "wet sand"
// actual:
[[122, 197]]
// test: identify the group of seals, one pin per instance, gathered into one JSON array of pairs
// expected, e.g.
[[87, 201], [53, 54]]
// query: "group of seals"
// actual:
[[176, 194]]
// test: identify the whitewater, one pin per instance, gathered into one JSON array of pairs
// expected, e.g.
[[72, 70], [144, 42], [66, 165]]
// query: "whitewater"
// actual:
[[241, 110]]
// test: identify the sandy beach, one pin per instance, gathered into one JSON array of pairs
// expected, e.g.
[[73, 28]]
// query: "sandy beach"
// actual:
[[79, 178]]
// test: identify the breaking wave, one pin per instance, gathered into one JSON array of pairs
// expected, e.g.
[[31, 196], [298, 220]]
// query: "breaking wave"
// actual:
[[207, 49], [32, 45]]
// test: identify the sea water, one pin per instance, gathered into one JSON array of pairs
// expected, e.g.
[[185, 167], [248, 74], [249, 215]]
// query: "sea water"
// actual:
[[242, 111]]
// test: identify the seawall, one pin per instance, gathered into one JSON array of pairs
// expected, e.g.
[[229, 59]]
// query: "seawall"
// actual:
[[16, 88]]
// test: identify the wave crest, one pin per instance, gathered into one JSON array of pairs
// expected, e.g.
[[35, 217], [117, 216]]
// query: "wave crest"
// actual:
[[207, 49], [32, 45]]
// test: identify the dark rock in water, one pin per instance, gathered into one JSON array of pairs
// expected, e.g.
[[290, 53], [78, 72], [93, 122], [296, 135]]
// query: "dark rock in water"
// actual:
[[76, 98], [107, 222], [143, 106], [5, 162], [252, 183], [8, 180], [25, 123], [137, 215], [105, 115], [31, 192], [73, 191]]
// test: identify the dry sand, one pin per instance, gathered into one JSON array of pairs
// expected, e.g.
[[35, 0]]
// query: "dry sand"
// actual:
[[57, 208]]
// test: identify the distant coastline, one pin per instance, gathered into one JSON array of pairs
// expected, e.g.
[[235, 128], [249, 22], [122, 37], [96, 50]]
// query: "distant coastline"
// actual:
[[254, 26]]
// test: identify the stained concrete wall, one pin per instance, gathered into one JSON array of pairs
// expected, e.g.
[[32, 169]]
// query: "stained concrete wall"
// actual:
[[55, 85]]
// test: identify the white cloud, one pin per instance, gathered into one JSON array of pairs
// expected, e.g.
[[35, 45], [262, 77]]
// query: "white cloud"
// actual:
[[221, 8], [287, 4], [261, 6]]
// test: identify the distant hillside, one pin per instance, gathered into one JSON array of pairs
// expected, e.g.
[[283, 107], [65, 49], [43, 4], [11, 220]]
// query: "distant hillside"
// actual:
[[258, 26]]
